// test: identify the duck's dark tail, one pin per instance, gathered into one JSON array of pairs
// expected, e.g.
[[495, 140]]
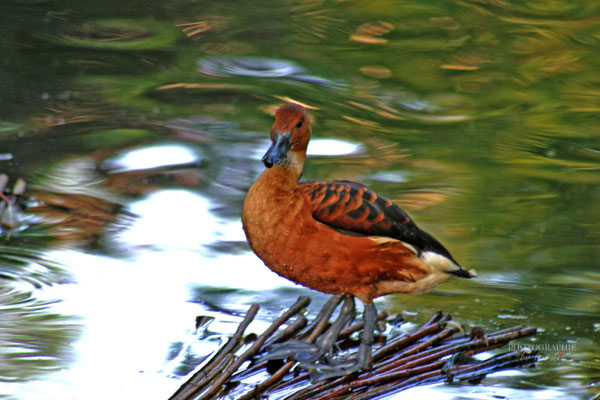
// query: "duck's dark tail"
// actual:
[[463, 273]]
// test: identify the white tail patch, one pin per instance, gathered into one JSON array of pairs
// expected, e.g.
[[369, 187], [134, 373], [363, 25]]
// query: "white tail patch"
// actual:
[[439, 262]]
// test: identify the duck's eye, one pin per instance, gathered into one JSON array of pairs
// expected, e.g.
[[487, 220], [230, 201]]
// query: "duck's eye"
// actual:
[[299, 124]]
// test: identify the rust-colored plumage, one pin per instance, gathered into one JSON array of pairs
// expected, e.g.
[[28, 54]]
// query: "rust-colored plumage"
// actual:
[[338, 237]]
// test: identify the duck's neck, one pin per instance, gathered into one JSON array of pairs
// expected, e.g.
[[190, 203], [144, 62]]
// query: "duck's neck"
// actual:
[[295, 163], [287, 174]]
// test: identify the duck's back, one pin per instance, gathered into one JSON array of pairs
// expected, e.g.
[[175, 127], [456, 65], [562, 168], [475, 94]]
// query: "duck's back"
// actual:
[[355, 209]]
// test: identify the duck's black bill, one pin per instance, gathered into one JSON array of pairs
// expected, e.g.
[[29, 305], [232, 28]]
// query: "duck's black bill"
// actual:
[[279, 147]]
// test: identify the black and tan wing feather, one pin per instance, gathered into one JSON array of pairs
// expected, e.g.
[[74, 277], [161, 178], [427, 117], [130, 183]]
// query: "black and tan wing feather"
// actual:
[[352, 208]]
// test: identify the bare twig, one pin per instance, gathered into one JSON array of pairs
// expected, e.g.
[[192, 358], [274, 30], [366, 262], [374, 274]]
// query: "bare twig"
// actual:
[[255, 348], [318, 327], [199, 379]]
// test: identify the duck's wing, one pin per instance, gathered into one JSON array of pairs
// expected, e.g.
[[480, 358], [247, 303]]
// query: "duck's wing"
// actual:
[[352, 208]]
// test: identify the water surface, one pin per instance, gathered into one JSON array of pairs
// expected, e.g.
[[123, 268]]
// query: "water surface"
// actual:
[[139, 126]]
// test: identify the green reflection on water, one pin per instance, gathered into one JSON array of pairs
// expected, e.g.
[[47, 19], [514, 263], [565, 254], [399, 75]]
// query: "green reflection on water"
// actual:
[[489, 110], [35, 340]]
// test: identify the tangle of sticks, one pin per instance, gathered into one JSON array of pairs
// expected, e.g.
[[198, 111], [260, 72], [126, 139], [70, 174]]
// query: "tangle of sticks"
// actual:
[[438, 351]]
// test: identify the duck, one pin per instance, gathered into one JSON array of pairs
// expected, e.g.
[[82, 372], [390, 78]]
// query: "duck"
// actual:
[[337, 237]]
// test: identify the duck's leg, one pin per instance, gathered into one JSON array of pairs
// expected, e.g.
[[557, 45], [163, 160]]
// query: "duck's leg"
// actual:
[[363, 357]]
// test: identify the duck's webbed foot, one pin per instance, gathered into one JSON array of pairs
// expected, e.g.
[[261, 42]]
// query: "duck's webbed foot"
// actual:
[[308, 353], [319, 372], [296, 349], [318, 358]]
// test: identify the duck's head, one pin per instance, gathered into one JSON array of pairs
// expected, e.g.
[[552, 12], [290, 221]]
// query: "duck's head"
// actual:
[[289, 136]]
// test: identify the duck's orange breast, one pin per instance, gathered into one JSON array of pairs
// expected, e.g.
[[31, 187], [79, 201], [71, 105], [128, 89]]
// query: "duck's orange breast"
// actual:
[[280, 227]]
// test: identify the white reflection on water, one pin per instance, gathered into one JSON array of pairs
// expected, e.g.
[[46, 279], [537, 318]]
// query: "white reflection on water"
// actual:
[[132, 310], [154, 157], [333, 147], [177, 219], [321, 147]]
